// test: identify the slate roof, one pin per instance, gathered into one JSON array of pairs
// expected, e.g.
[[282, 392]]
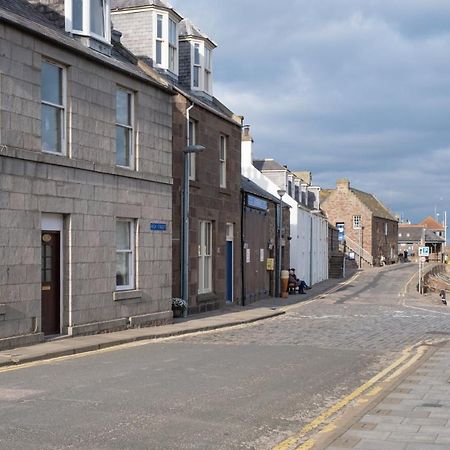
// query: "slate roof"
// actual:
[[268, 164], [252, 188], [138, 3], [23, 14], [415, 234], [188, 29], [369, 200], [377, 208]]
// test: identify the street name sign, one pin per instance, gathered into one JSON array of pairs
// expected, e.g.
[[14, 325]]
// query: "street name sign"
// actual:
[[424, 251]]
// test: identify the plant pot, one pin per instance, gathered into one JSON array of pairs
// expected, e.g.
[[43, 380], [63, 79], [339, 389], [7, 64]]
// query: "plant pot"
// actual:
[[177, 312]]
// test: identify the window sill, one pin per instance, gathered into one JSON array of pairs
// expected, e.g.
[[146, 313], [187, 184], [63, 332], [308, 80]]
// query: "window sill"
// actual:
[[127, 295], [207, 297], [224, 191]]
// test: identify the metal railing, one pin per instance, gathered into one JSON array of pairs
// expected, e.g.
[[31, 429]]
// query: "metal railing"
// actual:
[[358, 250]]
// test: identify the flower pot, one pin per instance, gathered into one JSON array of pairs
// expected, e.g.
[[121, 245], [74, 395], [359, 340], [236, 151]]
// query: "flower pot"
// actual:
[[177, 312]]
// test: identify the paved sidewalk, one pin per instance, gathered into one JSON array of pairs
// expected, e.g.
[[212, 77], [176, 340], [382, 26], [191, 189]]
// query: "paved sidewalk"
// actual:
[[229, 316], [415, 415]]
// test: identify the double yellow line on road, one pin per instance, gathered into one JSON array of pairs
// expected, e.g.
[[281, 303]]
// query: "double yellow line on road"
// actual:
[[395, 369]]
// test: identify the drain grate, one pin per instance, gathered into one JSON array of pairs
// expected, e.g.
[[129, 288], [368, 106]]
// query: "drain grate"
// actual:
[[431, 405], [446, 333]]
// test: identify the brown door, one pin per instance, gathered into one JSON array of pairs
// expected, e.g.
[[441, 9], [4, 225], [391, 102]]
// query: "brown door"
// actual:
[[50, 310]]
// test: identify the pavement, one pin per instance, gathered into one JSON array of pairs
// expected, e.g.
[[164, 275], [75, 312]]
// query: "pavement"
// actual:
[[405, 407]]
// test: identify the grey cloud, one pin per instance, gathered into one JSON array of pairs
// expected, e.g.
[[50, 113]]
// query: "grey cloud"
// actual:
[[341, 87]]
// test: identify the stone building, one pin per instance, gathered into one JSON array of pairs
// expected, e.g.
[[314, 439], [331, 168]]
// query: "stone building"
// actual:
[[308, 238], [85, 176], [261, 242], [365, 225], [183, 54], [424, 234]]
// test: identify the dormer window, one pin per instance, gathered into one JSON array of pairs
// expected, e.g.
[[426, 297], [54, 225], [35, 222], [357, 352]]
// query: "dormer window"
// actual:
[[202, 67], [166, 43], [89, 18], [197, 66]]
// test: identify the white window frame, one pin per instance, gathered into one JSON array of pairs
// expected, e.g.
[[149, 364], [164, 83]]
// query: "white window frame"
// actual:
[[131, 255], [203, 65], [223, 144], [356, 222], [192, 138], [159, 39], [205, 238], [129, 127], [165, 41], [86, 31], [207, 80], [172, 47], [62, 107], [385, 228], [197, 65]]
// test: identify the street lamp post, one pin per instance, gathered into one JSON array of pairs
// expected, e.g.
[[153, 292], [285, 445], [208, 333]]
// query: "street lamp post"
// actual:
[[280, 192], [185, 225]]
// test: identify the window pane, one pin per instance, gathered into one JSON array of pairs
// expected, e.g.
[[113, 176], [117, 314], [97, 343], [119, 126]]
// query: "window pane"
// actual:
[[172, 57], [196, 76], [158, 52], [191, 132], [159, 26], [51, 128], [123, 146], [77, 15], [51, 89], [197, 54], [123, 235], [222, 148], [123, 107], [172, 32], [98, 17], [123, 269]]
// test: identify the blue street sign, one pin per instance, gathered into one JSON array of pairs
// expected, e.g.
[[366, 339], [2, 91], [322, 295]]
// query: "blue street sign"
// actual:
[[158, 227]]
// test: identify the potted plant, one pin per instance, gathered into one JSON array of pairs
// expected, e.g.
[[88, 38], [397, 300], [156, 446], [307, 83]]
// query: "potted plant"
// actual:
[[179, 305]]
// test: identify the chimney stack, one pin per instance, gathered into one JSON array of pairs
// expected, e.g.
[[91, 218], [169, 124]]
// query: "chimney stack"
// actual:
[[343, 184]]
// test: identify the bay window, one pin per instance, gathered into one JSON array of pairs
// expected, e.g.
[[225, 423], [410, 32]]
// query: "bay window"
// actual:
[[165, 42], [202, 67], [89, 18], [196, 67]]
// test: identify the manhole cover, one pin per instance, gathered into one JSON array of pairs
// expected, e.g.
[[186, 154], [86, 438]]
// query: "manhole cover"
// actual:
[[431, 405]]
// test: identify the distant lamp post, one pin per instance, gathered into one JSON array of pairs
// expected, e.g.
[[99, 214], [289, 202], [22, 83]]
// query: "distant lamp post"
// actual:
[[280, 192], [185, 260]]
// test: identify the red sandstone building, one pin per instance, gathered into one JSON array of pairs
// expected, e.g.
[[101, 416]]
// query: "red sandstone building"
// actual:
[[183, 55], [366, 227]]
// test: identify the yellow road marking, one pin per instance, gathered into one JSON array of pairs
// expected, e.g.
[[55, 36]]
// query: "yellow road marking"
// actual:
[[293, 440]]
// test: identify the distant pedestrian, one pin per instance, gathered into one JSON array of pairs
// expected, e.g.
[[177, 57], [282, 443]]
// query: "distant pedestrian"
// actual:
[[405, 255]]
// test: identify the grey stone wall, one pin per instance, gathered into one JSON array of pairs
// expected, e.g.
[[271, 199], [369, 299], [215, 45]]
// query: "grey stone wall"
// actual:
[[137, 31], [86, 188]]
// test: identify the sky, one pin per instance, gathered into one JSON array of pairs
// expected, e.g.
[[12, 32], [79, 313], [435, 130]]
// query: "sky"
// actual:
[[356, 89]]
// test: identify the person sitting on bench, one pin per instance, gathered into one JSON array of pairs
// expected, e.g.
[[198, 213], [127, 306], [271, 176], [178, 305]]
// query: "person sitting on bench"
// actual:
[[300, 284]]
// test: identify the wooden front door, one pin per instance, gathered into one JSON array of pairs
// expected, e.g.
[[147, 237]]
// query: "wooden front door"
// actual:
[[51, 283]]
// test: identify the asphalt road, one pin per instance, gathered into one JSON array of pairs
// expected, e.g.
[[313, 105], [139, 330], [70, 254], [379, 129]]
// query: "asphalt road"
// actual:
[[246, 387]]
